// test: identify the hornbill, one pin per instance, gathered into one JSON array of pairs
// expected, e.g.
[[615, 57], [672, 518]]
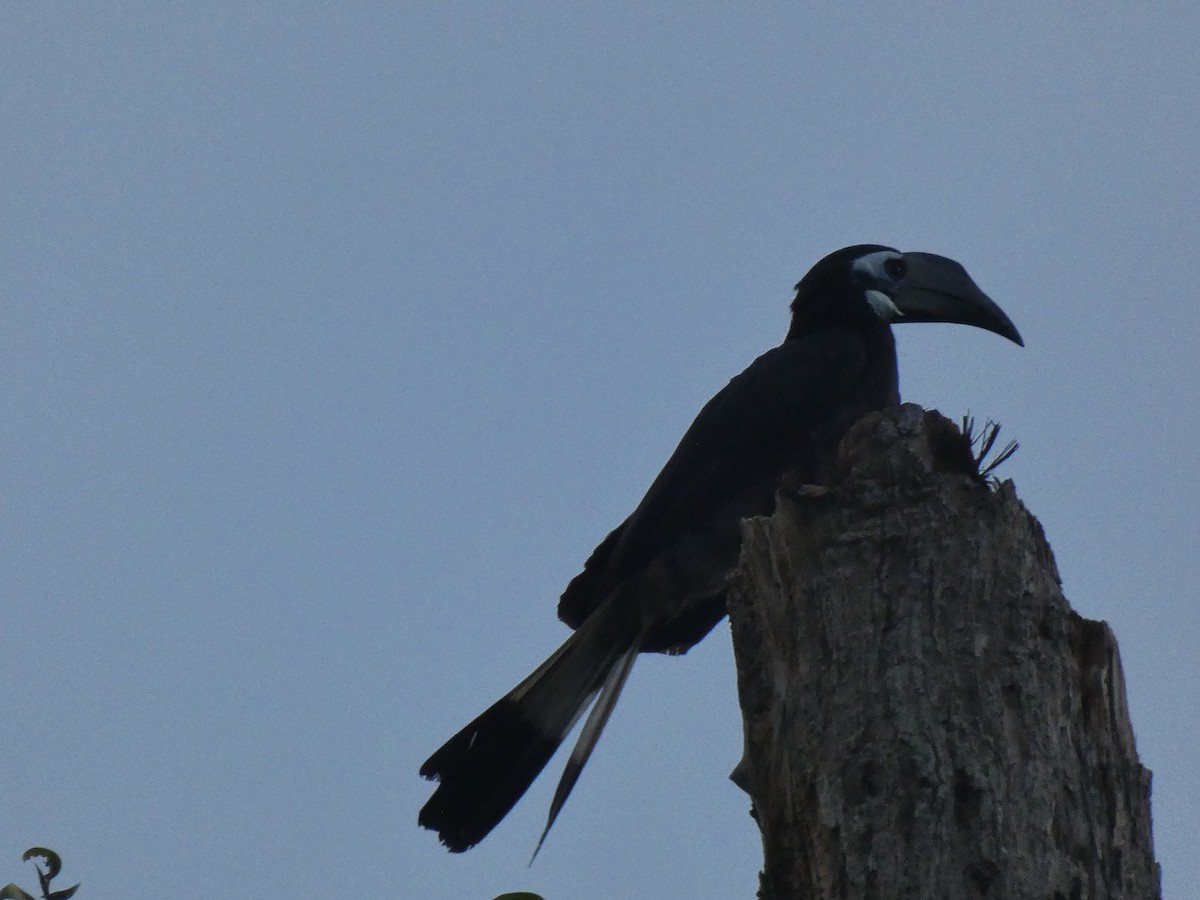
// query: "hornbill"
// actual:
[[656, 582]]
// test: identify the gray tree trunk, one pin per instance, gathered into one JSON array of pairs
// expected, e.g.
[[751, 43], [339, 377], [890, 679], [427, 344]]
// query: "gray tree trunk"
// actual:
[[925, 715]]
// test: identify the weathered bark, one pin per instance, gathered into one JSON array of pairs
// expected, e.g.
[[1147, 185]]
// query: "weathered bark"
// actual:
[[925, 715]]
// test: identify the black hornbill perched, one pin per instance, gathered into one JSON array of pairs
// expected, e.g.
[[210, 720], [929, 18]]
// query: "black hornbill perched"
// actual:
[[656, 582]]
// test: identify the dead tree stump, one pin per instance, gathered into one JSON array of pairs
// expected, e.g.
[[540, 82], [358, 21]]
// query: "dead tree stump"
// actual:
[[925, 716]]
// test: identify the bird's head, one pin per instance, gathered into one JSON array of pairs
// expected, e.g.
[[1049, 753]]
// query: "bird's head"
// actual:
[[863, 285]]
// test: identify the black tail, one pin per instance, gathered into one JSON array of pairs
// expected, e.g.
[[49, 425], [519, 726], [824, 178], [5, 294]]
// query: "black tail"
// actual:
[[485, 769]]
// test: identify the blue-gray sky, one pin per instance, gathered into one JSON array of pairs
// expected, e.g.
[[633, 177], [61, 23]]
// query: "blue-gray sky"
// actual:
[[335, 336]]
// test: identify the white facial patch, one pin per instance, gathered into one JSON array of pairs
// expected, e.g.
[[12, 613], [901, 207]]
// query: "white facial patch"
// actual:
[[883, 306], [872, 265]]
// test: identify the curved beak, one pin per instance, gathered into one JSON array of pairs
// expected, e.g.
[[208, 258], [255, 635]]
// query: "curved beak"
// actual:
[[937, 289]]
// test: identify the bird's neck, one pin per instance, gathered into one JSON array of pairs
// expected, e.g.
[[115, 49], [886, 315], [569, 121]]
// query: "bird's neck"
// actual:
[[881, 363]]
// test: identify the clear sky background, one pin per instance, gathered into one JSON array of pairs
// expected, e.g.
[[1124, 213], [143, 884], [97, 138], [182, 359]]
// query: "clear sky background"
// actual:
[[334, 337]]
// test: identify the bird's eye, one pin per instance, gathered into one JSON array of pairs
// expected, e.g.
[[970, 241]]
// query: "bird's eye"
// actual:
[[895, 268]]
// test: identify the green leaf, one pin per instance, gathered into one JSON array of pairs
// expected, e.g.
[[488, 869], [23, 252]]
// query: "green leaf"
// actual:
[[12, 892], [65, 893], [53, 862]]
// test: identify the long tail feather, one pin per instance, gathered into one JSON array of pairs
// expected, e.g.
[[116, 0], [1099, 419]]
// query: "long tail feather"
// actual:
[[486, 768], [610, 692]]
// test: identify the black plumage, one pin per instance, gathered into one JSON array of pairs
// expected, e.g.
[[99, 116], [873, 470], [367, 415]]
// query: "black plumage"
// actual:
[[656, 582]]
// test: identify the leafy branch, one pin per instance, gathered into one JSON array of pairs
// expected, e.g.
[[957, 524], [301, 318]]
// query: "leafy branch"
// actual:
[[53, 865]]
